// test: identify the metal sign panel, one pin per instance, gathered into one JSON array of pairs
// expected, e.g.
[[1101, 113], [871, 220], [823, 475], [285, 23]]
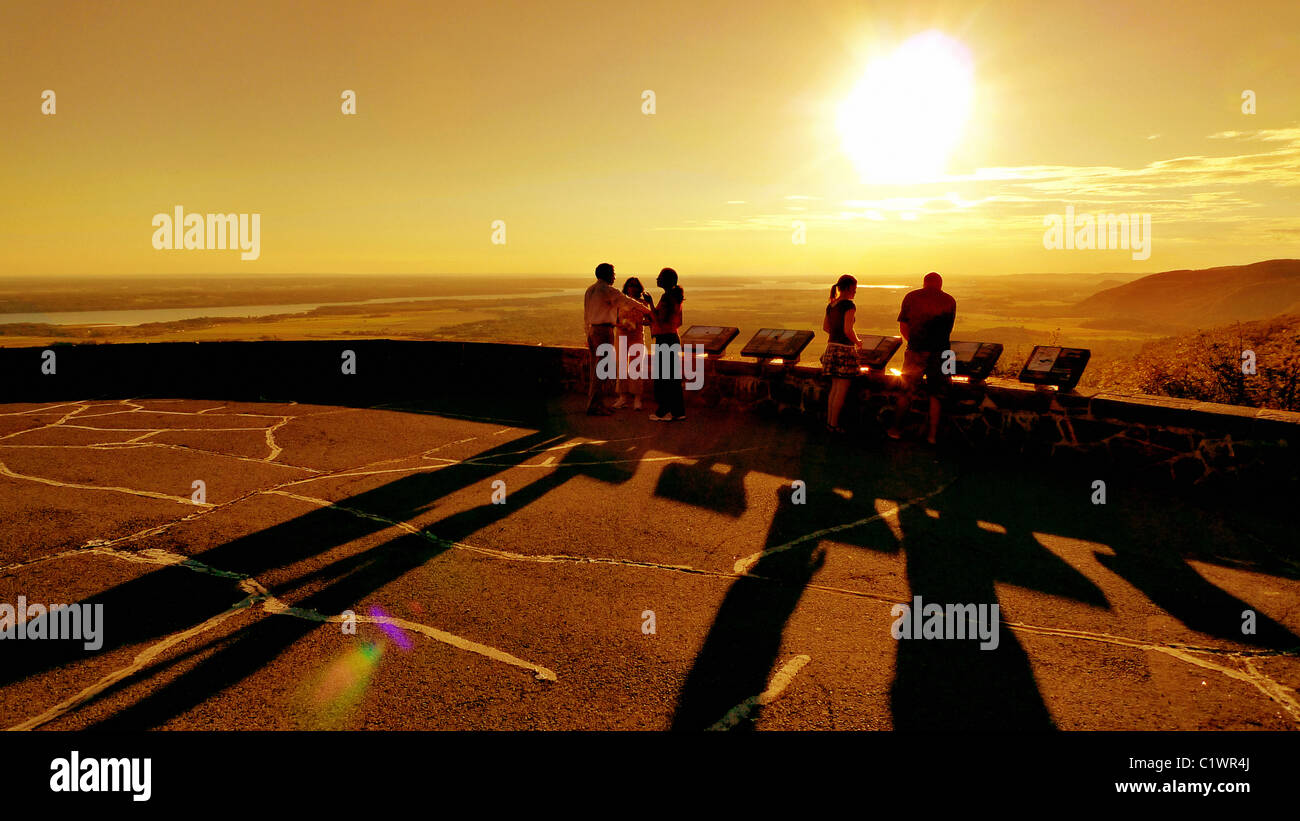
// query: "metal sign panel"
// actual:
[[976, 359], [777, 343], [714, 338], [876, 351], [1051, 365]]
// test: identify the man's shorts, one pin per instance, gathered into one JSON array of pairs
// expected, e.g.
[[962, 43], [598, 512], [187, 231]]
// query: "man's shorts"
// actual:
[[927, 363]]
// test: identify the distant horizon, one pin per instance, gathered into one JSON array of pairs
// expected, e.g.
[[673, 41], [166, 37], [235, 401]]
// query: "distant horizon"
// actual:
[[639, 272]]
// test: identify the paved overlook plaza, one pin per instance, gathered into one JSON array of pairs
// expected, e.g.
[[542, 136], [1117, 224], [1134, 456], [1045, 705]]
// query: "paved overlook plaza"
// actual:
[[768, 611]]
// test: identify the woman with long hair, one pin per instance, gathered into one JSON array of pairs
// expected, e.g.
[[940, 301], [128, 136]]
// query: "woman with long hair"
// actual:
[[630, 337], [840, 361], [666, 318]]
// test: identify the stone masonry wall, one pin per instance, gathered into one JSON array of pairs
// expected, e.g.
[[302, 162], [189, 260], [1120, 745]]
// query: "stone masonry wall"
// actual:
[[1168, 439], [1185, 441]]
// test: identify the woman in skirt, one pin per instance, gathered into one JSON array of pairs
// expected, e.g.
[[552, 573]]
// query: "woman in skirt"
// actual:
[[840, 361]]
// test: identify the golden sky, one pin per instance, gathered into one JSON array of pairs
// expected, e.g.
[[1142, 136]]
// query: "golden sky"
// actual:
[[532, 113]]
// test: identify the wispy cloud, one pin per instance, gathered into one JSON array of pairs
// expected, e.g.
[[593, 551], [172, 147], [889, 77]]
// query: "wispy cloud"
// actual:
[[1234, 189]]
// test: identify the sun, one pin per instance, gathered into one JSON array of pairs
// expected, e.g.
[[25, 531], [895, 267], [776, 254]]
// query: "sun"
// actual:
[[907, 112]]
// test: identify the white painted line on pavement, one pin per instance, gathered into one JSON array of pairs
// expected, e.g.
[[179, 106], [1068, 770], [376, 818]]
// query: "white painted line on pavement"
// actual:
[[779, 682]]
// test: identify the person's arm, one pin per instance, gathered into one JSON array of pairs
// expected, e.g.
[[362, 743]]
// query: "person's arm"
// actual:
[[634, 304], [588, 306], [826, 322], [849, 316], [903, 329]]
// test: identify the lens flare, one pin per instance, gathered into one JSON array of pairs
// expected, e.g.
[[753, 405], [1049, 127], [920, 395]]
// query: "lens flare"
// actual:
[[394, 632], [335, 691]]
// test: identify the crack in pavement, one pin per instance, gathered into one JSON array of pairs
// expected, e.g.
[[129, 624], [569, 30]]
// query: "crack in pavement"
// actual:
[[257, 594], [153, 530], [745, 564], [148, 494], [79, 411], [1274, 690], [1211, 658]]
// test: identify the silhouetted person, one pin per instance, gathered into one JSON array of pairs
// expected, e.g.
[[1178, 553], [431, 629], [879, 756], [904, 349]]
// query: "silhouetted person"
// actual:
[[600, 307], [840, 361], [666, 318], [925, 321], [630, 335]]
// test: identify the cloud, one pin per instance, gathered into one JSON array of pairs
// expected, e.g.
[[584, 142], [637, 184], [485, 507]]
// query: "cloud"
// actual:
[[1245, 191]]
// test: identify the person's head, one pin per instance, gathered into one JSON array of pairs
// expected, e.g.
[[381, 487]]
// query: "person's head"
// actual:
[[605, 272], [932, 282], [846, 286], [632, 287], [668, 281]]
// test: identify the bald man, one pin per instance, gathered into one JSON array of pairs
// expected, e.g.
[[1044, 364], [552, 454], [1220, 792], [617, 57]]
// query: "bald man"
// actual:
[[925, 321]]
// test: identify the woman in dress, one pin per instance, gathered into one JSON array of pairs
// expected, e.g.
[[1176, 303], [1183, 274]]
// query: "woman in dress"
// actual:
[[630, 337]]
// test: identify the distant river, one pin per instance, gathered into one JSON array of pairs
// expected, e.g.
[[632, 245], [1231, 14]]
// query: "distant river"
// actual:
[[133, 316]]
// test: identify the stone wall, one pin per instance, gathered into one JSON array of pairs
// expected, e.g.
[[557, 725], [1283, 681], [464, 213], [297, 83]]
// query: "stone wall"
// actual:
[[1182, 440], [1168, 439]]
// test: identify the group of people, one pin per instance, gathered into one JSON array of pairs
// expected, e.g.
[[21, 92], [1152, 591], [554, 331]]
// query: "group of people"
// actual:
[[925, 322], [611, 314], [618, 318]]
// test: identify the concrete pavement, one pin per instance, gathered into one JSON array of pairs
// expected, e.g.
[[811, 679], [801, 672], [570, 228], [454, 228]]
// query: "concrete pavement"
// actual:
[[770, 601]]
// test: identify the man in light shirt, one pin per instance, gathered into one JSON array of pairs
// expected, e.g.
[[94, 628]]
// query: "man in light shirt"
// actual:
[[600, 309]]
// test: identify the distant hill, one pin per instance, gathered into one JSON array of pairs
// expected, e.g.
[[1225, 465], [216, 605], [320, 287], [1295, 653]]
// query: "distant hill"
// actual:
[[1207, 365], [1006, 334], [1202, 298]]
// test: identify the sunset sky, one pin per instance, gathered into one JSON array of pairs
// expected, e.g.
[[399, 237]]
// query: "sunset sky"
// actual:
[[531, 113]]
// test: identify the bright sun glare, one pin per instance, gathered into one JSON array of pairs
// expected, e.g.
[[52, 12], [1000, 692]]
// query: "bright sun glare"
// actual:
[[905, 115]]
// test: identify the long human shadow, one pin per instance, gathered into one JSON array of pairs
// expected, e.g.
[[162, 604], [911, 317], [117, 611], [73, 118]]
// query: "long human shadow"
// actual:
[[1148, 545], [350, 580], [967, 684], [939, 685], [1146, 559], [743, 643], [171, 598], [741, 648], [983, 534]]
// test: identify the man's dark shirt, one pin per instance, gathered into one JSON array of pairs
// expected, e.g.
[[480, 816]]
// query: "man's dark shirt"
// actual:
[[929, 315]]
